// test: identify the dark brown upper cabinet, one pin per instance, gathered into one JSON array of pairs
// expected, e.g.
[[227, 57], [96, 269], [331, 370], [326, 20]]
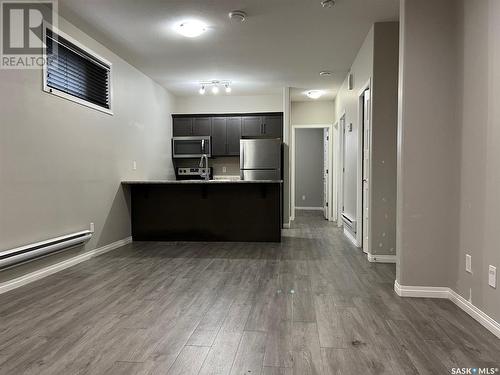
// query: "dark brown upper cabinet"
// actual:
[[202, 126], [251, 126], [219, 130], [197, 126], [273, 126], [226, 135], [262, 126], [227, 129], [233, 135], [182, 127]]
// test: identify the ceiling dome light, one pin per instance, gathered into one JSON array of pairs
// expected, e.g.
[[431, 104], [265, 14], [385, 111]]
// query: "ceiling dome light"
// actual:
[[314, 94], [327, 3], [215, 90], [228, 89], [325, 73], [238, 15], [202, 90], [191, 29]]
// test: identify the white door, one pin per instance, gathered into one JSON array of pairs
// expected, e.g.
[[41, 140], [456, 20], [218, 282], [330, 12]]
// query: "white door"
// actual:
[[326, 172], [366, 169], [341, 181]]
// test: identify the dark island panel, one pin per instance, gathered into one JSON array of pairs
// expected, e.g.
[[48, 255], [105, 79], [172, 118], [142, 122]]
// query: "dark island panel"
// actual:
[[206, 212]]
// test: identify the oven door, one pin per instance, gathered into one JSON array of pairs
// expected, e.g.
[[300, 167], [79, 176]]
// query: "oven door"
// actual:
[[191, 147]]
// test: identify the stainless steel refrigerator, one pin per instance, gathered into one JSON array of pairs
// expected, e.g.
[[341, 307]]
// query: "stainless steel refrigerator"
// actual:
[[260, 159]]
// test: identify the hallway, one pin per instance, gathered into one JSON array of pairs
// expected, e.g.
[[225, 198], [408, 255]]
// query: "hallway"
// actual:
[[310, 305]]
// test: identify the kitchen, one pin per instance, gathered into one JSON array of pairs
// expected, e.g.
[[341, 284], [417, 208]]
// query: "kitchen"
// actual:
[[200, 205]]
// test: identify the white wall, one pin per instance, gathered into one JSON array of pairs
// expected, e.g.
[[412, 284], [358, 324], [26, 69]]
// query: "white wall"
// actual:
[[223, 103], [346, 103], [309, 165], [313, 112], [61, 163]]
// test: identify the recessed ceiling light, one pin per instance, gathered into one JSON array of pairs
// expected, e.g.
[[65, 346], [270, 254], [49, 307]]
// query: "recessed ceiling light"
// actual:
[[325, 73], [191, 28], [314, 94]]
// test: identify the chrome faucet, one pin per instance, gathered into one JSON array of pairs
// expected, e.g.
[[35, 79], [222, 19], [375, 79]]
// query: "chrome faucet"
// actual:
[[205, 171]]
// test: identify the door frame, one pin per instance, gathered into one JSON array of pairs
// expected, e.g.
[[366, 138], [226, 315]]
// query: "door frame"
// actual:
[[330, 165], [340, 167], [359, 203]]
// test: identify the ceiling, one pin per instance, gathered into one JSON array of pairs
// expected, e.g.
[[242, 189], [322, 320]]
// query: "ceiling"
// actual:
[[282, 42]]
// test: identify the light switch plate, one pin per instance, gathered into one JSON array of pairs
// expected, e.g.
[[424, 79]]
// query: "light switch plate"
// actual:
[[134, 165], [492, 276], [468, 263]]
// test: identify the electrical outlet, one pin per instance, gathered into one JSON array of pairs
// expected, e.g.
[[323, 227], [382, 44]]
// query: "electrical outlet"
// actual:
[[224, 169], [303, 197], [468, 263], [492, 276], [92, 229], [134, 165]]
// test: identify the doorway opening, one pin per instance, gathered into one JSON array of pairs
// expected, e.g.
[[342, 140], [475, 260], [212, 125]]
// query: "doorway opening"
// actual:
[[311, 177]]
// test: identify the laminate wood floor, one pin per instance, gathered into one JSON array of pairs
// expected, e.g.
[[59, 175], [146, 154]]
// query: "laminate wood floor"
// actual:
[[310, 305]]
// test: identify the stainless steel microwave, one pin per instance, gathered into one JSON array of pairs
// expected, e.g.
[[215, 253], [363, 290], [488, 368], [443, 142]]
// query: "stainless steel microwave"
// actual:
[[191, 147]]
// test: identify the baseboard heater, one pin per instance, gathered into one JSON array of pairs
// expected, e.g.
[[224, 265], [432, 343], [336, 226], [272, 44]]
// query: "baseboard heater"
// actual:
[[38, 249], [349, 222]]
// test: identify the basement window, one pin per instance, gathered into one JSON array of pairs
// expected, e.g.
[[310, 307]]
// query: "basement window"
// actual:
[[76, 73]]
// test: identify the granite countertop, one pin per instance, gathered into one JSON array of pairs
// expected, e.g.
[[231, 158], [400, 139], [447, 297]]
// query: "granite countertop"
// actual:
[[187, 182]]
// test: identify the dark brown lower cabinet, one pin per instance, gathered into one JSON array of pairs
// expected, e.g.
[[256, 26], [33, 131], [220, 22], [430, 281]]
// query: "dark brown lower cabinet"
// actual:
[[249, 212]]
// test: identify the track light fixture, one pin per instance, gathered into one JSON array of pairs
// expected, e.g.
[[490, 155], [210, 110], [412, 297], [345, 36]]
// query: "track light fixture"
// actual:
[[215, 87]]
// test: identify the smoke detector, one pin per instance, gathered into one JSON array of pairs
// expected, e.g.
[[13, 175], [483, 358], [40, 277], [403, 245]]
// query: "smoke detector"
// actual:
[[238, 15], [327, 3]]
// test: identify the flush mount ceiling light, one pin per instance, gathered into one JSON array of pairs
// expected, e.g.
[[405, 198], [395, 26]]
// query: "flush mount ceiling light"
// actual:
[[238, 15], [215, 87], [325, 73], [314, 94], [191, 28], [327, 3]]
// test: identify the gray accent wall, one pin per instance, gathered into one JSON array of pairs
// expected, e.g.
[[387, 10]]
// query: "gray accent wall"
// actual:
[[61, 163], [479, 116], [449, 159], [309, 158], [429, 143], [383, 169]]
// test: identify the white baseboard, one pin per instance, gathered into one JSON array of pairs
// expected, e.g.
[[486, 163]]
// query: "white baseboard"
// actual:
[[443, 292], [309, 208], [350, 237], [50, 270], [374, 258]]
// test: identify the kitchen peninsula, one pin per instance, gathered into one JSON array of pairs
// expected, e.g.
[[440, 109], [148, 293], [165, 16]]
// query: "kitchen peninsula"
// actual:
[[199, 210]]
